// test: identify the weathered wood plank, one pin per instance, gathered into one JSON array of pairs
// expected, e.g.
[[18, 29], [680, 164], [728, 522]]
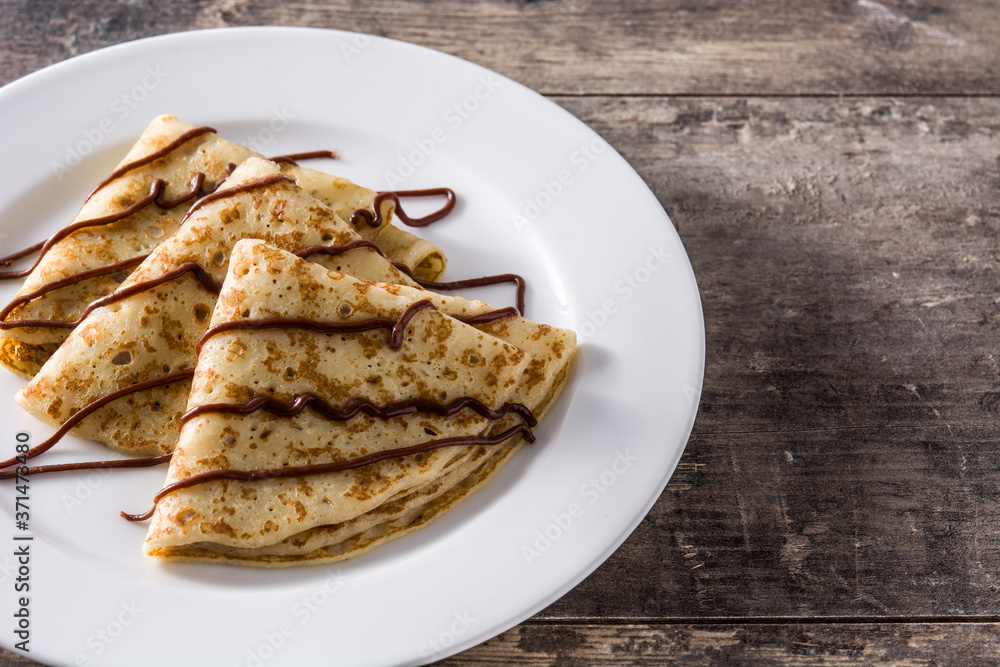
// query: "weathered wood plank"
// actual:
[[898, 644], [15, 659], [709, 645], [576, 47], [846, 252], [850, 524]]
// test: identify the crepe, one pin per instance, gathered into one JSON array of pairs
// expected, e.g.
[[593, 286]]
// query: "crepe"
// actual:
[[95, 260], [330, 516], [425, 259], [153, 333]]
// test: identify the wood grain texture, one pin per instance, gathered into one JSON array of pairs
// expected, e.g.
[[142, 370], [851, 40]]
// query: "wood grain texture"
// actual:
[[723, 645], [645, 47]]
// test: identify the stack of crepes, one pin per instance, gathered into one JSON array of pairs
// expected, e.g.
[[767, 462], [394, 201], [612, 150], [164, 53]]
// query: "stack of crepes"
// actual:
[[314, 398]]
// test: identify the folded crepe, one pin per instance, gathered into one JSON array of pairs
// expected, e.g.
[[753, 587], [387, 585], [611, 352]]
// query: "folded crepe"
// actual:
[[150, 335], [138, 206], [152, 332], [259, 351]]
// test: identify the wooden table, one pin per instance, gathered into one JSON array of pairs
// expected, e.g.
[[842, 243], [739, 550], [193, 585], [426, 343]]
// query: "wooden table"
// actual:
[[833, 169]]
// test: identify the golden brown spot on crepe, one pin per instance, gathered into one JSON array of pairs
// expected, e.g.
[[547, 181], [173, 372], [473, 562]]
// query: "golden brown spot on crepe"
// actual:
[[53, 408], [220, 527], [235, 350], [278, 208], [534, 373], [201, 312], [122, 200], [172, 332], [25, 358], [218, 462], [185, 516], [543, 329], [370, 344], [229, 436]]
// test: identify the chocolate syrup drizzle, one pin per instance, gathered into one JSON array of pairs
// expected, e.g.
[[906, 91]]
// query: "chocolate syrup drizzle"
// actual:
[[152, 157], [90, 408], [244, 187], [144, 462], [336, 466], [397, 327], [356, 406], [333, 251], [203, 277], [110, 269], [374, 217], [293, 158], [206, 281], [203, 196], [155, 195]]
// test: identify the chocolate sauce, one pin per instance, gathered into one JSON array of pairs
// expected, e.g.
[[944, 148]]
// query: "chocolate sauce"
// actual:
[[335, 250], [374, 217], [152, 157], [336, 466], [144, 462], [110, 269], [481, 282], [489, 316], [123, 293], [245, 187], [10, 259], [309, 251], [397, 327], [90, 408], [356, 406], [155, 196], [293, 158]]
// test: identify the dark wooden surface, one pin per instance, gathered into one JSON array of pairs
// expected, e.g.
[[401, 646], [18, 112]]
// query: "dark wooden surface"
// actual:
[[833, 169]]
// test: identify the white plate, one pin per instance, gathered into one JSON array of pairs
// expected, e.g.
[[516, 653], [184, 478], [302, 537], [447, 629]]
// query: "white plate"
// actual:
[[541, 195]]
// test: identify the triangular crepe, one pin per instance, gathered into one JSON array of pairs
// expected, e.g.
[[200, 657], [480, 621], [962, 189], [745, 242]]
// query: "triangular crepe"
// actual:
[[153, 333], [329, 516], [93, 260]]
